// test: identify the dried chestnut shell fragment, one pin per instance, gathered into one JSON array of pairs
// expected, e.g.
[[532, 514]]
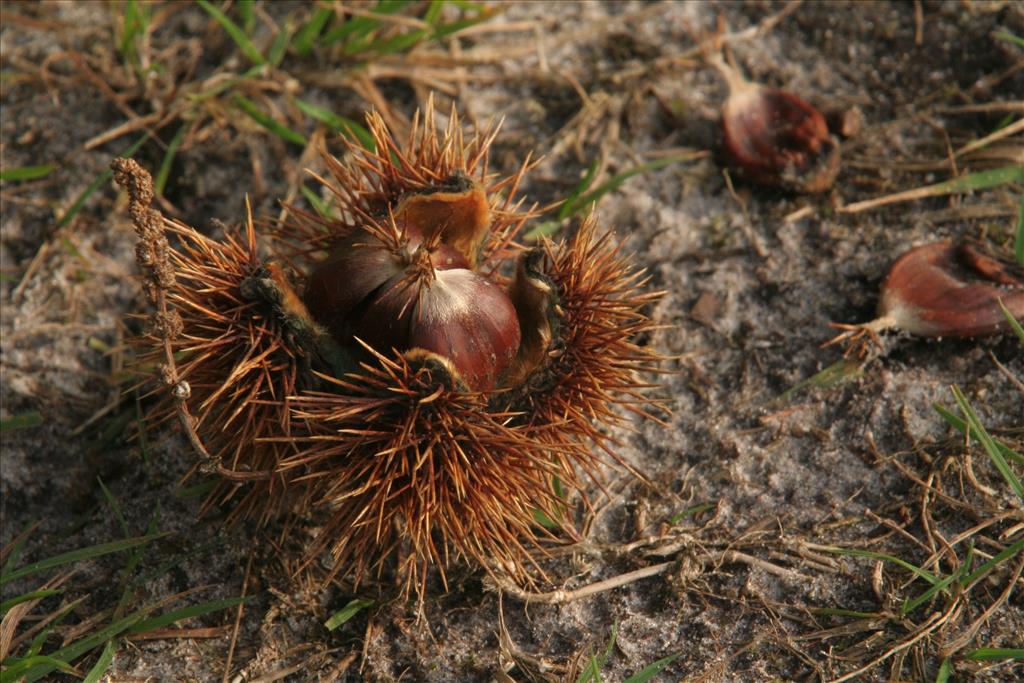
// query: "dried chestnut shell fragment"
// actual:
[[943, 289], [776, 138], [947, 290]]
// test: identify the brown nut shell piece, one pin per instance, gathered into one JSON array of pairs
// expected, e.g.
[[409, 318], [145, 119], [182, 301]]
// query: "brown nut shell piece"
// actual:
[[946, 290], [776, 138]]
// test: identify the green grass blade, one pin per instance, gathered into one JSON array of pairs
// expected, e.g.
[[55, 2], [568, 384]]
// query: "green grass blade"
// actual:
[[247, 10], [996, 654], [319, 205], [576, 201], [6, 605], [18, 667], [340, 124], [277, 128], [37, 642], [842, 370], [21, 421], [592, 674], [959, 425], [360, 28], [78, 556], [618, 179], [173, 616], [445, 30], [651, 670], [581, 187], [133, 623], [988, 442], [924, 574], [910, 605], [28, 172], [280, 45], [1019, 246], [1003, 555], [307, 35], [980, 180], [346, 613], [101, 180], [78, 648], [236, 33], [1009, 37], [945, 669], [160, 184], [102, 664], [690, 512], [1014, 323]]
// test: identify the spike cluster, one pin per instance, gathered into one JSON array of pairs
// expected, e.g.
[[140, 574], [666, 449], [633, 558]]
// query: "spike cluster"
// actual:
[[430, 406]]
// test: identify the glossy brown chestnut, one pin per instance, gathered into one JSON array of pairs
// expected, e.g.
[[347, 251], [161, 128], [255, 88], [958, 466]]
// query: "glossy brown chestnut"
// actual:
[[407, 283]]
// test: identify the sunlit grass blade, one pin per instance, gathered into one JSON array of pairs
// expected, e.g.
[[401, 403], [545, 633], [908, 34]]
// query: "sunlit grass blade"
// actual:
[[842, 370], [6, 605], [346, 613], [275, 55], [851, 552], [236, 33], [310, 31], [567, 207], [579, 199], [173, 616], [618, 179], [651, 670], [1003, 555], [996, 654], [340, 124], [361, 27], [1009, 37], [980, 180], [988, 443], [445, 30], [1014, 323], [276, 127], [78, 555], [910, 605], [160, 184], [318, 204], [103, 663], [21, 421], [958, 424], [27, 172]]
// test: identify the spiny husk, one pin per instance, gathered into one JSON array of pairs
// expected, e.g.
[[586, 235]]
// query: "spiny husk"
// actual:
[[403, 461], [596, 362], [239, 360], [407, 464], [369, 182]]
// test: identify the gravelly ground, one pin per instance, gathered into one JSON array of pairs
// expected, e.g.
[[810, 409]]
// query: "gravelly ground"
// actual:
[[825, 465]]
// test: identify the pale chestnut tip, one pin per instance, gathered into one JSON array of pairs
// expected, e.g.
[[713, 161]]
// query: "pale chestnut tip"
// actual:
[[775, 138]]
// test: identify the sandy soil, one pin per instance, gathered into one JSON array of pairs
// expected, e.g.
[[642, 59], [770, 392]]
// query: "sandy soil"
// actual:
[[752, 279]]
